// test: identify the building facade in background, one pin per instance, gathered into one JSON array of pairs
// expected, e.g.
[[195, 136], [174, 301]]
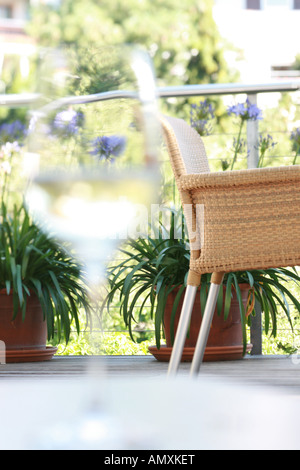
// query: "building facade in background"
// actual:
[[267, 34]]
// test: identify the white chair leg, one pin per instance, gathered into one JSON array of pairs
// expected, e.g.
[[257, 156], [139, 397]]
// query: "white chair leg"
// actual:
[[182, 329], [205, 328]]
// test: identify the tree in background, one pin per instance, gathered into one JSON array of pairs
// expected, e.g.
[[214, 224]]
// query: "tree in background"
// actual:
[[296, 64], [181, 37]]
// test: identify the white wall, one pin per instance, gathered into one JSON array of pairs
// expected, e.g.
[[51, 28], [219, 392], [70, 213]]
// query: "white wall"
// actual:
[[265, 4], [268, 37], [20, 9]]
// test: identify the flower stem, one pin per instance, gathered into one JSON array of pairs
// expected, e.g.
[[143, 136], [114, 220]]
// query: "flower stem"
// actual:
[[237, 145], [261, 159], [296, 155]]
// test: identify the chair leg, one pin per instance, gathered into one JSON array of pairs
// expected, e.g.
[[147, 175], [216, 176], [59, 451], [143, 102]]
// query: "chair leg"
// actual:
[[182, 329], [217, 280]]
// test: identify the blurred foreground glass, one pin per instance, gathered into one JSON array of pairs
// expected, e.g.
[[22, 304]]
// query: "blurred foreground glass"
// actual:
[[96, 137], [93, 156]]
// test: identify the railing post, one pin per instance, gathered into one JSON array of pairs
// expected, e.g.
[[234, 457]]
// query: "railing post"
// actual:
[[256, 332], [252, 136], [2, 352], [253, 159]]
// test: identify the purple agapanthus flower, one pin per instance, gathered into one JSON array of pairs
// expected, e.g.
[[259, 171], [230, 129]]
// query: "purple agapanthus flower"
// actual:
[[295, 138], [108, 147], [239, 145], [200, 116], [246, 111], [266, 143], [67, 123], [12, 131]]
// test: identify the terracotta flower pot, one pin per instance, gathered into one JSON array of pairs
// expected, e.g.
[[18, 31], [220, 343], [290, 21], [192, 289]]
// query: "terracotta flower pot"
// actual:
[[25, 341], [225, 340]]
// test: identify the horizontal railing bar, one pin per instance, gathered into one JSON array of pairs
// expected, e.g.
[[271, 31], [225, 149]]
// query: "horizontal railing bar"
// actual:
[[104, 96], [25, 99], [227, 89], [21, 99]]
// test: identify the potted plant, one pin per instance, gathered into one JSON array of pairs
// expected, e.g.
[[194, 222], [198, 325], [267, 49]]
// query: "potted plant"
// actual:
[[42, 288], [154, 270]]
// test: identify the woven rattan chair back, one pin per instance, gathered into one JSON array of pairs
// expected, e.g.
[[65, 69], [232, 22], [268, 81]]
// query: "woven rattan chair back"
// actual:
[[186, 148], [187, 156]]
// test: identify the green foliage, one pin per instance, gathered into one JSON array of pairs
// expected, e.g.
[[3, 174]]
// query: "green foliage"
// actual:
[[296, 64], [13, 81], [109, 343], [152, 267], [181, 37], [32, 262]]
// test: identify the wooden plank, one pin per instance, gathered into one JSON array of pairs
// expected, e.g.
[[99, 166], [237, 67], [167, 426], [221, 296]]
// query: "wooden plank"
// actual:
[[278, 372], [274, 371]]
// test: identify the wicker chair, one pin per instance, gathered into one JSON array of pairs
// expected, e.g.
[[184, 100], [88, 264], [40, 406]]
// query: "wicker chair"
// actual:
[[238, 220]]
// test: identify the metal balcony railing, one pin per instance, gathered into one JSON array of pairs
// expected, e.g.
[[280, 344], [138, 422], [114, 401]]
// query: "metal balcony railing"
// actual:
[[183, 91]]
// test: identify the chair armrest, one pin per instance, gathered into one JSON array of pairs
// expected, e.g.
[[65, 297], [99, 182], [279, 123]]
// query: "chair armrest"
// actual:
[[257, 176], [250, 218]]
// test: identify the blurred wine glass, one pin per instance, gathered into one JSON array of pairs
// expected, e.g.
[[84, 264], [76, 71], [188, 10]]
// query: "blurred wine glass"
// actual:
[[94, 143]]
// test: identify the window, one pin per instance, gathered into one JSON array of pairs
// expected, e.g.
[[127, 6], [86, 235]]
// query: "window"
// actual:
[[5, 11], [253, 4], [296, 4]]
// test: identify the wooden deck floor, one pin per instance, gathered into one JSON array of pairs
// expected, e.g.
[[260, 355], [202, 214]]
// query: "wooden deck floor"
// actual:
[[279, 372], [250, 404]]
